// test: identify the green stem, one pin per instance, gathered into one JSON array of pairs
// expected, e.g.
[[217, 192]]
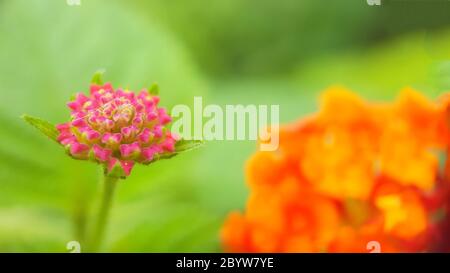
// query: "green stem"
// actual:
[[109, 185]]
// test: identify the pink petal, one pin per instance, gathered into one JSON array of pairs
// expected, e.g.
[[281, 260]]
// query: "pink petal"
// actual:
[[108, 124], [127, 166], [143, 94], [145, 135], [64, 127], [139, 107], [81, 99], [168, 145], [107, 86], [164, 118], [137, 121], [130, 150], [91, 135], [66, 139], [157, 130], [149, 153], [112, 139], [79, 122], [101, 154], [151, 116], [111, 163], [120, 92], [77, 148], [94, 88], [129, 131], [74, 105]]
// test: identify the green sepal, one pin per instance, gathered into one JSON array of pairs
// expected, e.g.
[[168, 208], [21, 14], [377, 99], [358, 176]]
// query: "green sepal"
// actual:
[[154, 89], [98, 77], [116, 171], [43, 126]]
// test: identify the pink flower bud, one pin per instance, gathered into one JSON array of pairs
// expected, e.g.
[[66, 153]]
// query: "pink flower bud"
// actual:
[[164, 118], [78, 150], [101, 154], [132, 150], [116, 128]]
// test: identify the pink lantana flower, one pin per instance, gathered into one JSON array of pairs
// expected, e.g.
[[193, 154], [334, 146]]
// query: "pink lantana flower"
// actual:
[[116, 128]]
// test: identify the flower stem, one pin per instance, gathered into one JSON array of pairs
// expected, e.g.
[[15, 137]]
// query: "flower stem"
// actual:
[[109, 185]]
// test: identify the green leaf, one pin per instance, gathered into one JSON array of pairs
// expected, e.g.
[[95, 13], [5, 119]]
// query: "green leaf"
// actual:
[[181, 146], [45, 127], [98, 77], [154, 89], [187, 145]]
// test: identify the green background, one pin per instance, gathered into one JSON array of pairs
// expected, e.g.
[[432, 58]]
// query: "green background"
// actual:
[[230, 52]]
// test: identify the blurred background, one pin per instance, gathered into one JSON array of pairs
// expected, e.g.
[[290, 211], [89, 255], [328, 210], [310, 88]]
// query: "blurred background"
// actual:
[[230, 52]]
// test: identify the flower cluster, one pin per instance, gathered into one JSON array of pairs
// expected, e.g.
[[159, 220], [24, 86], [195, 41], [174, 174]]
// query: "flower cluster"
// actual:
[[352, 173], [117, 128]]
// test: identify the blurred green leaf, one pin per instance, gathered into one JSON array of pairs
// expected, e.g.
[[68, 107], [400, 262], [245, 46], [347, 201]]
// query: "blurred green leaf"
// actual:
[[45, 127], [33, 229], [235, 29], [370, 72]]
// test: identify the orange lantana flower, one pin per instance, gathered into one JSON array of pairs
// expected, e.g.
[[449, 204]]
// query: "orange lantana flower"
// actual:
[[353, 173]]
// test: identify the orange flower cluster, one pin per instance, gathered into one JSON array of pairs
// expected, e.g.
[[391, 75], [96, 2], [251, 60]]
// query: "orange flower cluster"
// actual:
[[352, 173]]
